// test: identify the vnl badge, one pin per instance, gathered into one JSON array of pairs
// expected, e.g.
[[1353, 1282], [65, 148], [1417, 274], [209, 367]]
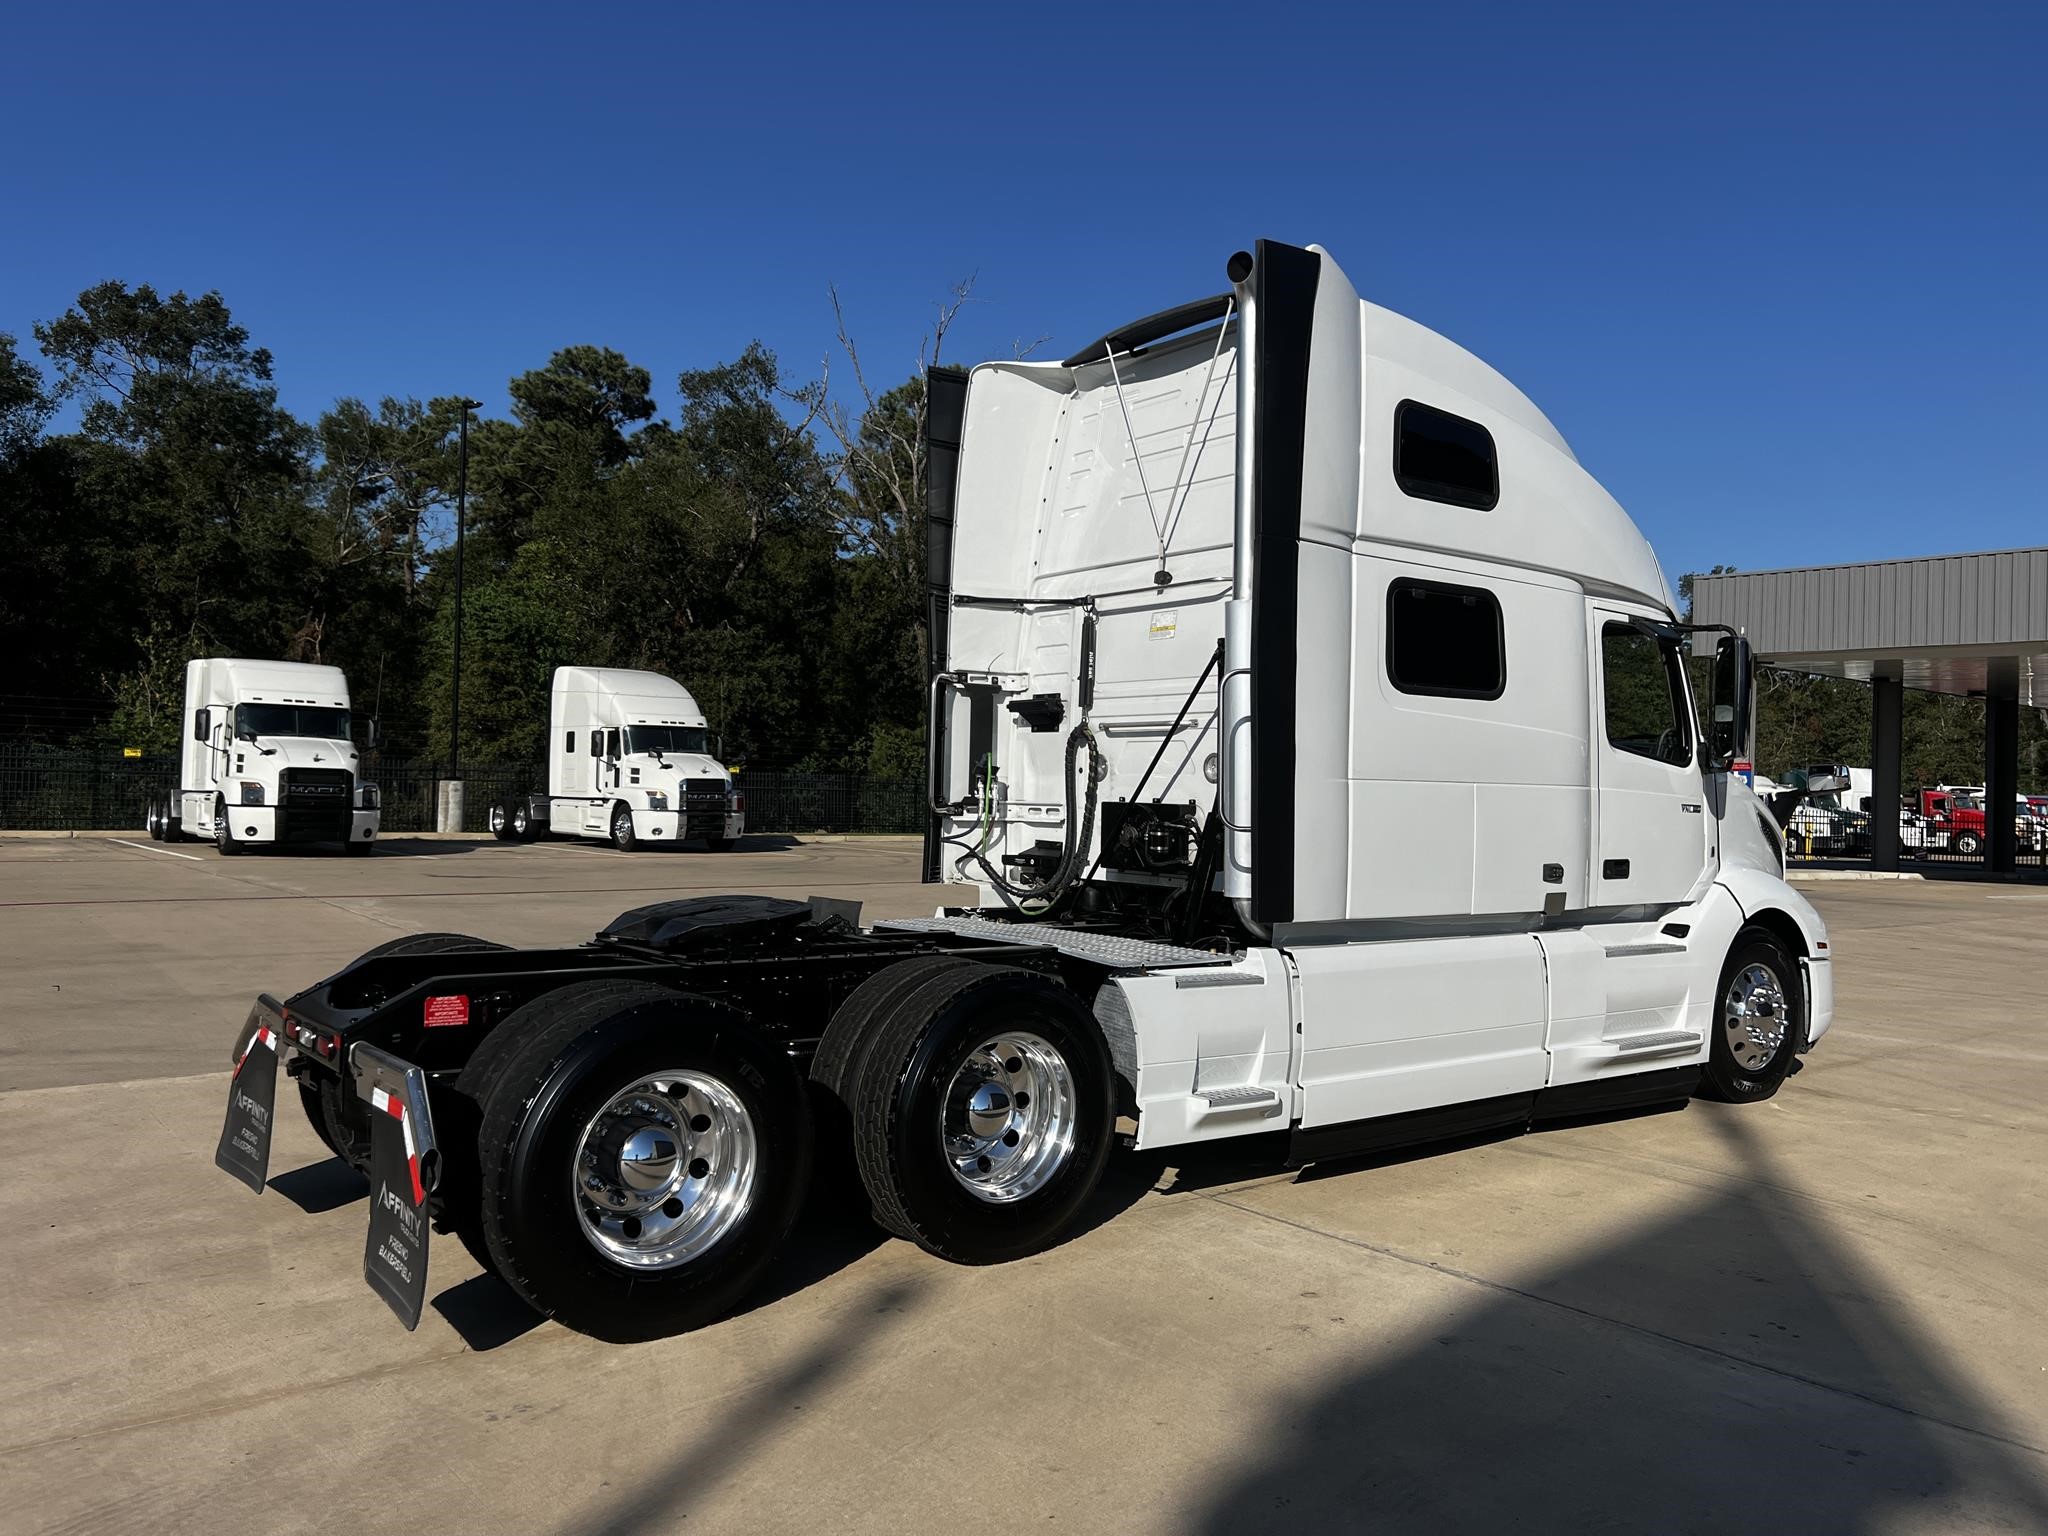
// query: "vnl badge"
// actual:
[[244, 1149], [404, 1167]]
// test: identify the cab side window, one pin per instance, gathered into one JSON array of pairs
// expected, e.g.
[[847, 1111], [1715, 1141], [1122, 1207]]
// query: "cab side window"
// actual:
[[1445, 641], [1645, 697], [1441, 457]]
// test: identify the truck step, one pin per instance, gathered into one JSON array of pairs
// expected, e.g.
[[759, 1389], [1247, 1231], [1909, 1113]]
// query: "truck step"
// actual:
[[1662, 1041], [1247, 1097]]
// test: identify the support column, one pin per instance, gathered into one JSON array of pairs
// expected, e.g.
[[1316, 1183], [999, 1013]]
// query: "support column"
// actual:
[[2001, 766], [1887, 710]]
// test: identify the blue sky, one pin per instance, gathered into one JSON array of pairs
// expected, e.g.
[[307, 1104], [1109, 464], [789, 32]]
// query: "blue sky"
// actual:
[[1776, 272]]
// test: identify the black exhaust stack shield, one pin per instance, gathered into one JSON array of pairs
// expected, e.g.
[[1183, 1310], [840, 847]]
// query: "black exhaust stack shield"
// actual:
[[1284, 289], [945, 412], [244, 1149]]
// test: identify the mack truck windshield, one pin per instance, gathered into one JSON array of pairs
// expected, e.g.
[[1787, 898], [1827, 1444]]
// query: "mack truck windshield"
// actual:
[[1315, 733]]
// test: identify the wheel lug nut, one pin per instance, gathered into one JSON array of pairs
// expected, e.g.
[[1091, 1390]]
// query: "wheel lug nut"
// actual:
[[982, 1163]]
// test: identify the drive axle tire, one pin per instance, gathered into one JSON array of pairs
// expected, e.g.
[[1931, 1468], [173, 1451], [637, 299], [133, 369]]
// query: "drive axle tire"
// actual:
[[1758, 1021], [343, 1130], [153, 820], [524, 828], [644, 1153], [623, 836], [983, 1108], [500, 822], [835, 1068]]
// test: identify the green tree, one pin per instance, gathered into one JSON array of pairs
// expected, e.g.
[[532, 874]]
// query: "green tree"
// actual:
[[186, 464]]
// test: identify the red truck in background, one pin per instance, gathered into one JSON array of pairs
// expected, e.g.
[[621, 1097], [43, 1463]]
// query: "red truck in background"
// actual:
[[1953, 816]]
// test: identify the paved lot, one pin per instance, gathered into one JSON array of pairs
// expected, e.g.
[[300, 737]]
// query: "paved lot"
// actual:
[[1824, 1313]]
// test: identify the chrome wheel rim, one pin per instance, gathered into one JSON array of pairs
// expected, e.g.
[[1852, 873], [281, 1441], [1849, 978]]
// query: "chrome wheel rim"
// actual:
[[1008, 1119], [665, 1170], [1756, 1017], [497, 818], [622, 826]]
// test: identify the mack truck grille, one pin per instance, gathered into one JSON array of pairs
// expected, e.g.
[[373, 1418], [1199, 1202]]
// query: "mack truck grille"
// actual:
[[315, 805], [704, 807]]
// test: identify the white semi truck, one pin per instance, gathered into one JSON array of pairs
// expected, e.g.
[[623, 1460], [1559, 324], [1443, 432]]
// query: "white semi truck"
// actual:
[[631, 760], [1317, 733], [267, 756]]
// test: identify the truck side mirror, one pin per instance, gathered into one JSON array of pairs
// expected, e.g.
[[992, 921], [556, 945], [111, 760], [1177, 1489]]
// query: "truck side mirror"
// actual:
[[202, 725], [597, 743], [370, 734], [1729, 703]]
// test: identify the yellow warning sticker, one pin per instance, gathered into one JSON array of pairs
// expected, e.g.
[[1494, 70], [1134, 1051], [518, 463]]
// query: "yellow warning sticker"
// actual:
[[1164, 624]]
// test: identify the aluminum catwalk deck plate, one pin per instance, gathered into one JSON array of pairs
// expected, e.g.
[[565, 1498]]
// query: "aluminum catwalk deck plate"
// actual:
[[1119, 954]]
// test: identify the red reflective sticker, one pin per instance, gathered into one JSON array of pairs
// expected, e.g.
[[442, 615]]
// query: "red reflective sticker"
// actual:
[[447, 1010]]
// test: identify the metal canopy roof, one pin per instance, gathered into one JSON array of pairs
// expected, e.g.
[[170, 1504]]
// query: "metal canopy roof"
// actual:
[[1966, 624]]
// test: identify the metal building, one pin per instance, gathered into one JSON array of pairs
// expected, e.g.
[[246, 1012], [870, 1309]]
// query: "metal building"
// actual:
[[1964, 624]]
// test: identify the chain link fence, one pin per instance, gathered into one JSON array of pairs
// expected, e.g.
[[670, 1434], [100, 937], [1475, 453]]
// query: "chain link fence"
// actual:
[[52, 789]]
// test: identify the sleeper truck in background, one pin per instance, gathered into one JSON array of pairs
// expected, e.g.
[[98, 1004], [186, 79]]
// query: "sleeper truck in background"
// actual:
[[267, 757], [1318, 736], [631, 761]]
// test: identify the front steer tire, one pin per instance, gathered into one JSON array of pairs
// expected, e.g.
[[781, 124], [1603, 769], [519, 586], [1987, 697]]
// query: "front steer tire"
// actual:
[[623, 836], [1751, 1053], [909, 1106], [578, 1050]]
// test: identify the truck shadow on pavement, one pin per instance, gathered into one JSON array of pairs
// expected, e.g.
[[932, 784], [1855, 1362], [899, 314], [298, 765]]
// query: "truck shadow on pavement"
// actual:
[[321, 1187], [1729, 1366]]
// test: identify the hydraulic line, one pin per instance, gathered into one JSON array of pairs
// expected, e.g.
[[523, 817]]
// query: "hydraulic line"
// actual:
[[1040, 899]]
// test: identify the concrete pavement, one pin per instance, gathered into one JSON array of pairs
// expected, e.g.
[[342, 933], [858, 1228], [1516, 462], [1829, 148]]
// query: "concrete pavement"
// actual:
[[1820, 1313]]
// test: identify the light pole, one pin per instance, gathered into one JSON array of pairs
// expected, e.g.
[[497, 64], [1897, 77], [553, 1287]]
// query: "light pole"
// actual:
[[461, 516]]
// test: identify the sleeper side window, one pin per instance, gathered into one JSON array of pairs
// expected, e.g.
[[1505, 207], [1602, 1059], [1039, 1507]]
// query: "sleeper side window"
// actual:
[[1445, 641], [569, 742], [1645, 697], [1441, 457]]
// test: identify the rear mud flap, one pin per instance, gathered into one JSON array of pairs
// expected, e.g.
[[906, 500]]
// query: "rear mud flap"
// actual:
[[404, 1167], [244, 1149]]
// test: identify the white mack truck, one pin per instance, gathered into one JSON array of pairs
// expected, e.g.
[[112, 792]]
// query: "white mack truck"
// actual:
[[631, 760], [1316, 732], [267, 757]]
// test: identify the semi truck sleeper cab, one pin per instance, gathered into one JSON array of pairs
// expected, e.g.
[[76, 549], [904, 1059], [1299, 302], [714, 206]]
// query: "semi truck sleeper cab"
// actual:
[[1317, 735]]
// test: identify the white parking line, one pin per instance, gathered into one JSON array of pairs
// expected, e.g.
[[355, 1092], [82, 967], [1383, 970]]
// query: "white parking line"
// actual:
[[165, 851]]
